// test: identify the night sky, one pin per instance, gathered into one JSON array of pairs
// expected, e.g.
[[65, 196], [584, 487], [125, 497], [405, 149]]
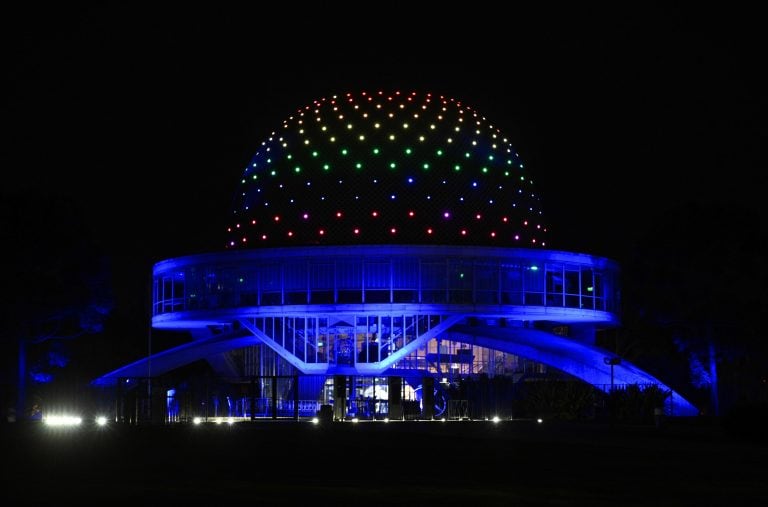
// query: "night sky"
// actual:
[[144, 118]]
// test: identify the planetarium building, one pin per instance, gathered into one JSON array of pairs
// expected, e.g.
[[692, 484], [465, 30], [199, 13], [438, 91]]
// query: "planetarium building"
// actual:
[[383, 250]]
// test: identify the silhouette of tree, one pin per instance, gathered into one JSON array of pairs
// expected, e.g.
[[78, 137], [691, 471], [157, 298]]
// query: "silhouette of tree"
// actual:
[[57, 290], [697, 284]]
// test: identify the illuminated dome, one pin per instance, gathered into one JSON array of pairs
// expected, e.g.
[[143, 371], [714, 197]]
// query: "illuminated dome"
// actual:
[[369, 168]]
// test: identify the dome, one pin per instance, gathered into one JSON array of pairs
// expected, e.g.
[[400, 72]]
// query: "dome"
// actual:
[[373, 168]]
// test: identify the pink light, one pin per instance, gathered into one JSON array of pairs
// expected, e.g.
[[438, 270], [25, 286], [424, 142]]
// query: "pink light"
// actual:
[[263, 236], [525, 223], [478, 216], [253, 222], [493, 234], [245, 239], [517, 237], [429, 231], [463, 232], [393, 230], [356, 231], [277, 218], [338, 214], [375, 214], [505, 219], [305, 216], [321, 232], [446, 215], [237, 225], [411, 213], [290, 234]]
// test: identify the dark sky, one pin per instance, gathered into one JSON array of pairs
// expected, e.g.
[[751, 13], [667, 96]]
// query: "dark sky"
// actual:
[[144, 116]]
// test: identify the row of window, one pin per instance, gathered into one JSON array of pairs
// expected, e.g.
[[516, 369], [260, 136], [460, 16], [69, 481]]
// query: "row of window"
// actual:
[[395, 280]]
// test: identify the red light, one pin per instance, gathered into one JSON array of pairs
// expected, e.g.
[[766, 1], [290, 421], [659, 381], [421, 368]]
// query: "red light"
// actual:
[[245, 239], [505, 219], [375, 214], [321, 232], [411, 213], [277, 218], [290, 234], [263, 236], [429, 231], [478, 216], [393, 230], [493, 234], [357, 231], [338, 214]]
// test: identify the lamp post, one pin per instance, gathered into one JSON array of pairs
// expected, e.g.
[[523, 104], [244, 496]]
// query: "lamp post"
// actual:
[[612, 361]]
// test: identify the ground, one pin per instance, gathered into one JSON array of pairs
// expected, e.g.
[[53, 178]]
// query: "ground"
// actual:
[[475, 463]]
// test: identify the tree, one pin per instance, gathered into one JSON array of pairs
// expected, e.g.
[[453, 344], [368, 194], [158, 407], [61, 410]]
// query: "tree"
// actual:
[[58, 288], [698, 277]]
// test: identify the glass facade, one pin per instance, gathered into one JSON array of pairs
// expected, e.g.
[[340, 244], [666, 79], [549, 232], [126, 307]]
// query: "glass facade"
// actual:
[[385, 275]]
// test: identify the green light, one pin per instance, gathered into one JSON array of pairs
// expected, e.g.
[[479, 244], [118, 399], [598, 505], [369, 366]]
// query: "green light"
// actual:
[[461, 275], [439, 153], [426, 165], [326, 166], [289, 157], [273, 173], [589, 289], [344, 152], [376, 151], [269, 161], [490, 157], [466, 155], [485, 170], [297, 169], [408, 151], [506, 173], [457, 167], [392, 165], [359, 165], [314, 154], [534, 268]]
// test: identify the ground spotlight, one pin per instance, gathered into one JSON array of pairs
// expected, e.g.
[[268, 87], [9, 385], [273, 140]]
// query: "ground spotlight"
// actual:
[[62, 420]]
